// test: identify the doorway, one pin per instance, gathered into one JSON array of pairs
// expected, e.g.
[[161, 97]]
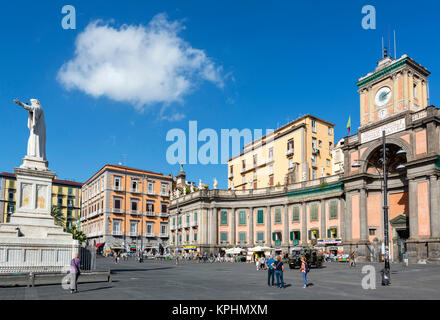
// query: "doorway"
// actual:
[[402, 236]]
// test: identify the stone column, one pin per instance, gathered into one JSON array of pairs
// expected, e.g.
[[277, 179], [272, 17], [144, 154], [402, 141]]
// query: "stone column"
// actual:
[[435, 214], [251, 227], [304, 236], [286, 226], [233, 228], [323, 232], [341, 215], [363, 215], [413, 223], [205, 227], [214, 227], [347, 220], [269, 226]]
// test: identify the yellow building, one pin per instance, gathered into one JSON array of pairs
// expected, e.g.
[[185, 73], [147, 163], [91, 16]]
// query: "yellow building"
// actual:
[[66, 195], [299, 151]]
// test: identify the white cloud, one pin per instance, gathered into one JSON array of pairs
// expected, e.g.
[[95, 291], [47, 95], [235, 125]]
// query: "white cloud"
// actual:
[[142, 65]]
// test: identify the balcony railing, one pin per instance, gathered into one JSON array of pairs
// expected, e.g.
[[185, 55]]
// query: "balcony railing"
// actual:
[[117, 232], [165, 194], [117, 210], [134, 212], [150, 214], [164, 214], [117, 188], [289, 152], [134, 234], [163, 235], [194, 223], [150, 234]]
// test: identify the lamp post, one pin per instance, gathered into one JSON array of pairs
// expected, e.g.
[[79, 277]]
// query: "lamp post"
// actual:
[[386, 271]]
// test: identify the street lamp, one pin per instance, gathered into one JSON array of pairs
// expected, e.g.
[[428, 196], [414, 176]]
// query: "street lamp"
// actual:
[[383, 162]]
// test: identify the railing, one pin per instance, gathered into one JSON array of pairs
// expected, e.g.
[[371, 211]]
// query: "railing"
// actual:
[[117, 233], [164, 214], [163, 235], [289, 152], [165, 194], [194, 223], [117, 210], [150, 214], [150, 234], [134, 212], [134, 234]]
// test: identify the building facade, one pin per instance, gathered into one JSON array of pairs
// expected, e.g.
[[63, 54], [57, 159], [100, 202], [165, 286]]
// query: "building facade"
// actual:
[[344, 212], [126, 208], [298, 151], [66, 195]]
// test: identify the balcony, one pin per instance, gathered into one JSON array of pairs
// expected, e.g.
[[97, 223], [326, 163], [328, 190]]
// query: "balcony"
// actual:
[[163, 235], [194, 223], [150, 235], [134, 234], [117, 188], [165, 194], [172, 227], [150, 214], [315, 150], [164, 214], [134, 212], [117, 232], [289, 152], [186, 224], [117, 210], [135, 190]]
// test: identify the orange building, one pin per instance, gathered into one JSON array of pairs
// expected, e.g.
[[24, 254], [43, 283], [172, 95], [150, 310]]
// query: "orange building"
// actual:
[[126, 209]]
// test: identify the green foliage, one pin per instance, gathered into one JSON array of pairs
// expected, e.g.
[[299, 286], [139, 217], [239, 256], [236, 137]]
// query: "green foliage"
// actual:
[[323, 184], [77, 234], [56, 213]]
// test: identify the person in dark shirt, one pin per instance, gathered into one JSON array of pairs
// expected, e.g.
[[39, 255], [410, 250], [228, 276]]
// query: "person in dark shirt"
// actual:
[[279, 269], [270, 271]]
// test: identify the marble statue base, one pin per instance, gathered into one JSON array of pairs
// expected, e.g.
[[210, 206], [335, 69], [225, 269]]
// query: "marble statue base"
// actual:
[[31, 242]]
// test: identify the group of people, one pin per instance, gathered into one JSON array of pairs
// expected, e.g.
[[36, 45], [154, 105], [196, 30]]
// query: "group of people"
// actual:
[[275, 269]]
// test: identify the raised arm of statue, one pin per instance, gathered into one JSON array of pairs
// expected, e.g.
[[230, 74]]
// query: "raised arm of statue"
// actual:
[[28, 108]]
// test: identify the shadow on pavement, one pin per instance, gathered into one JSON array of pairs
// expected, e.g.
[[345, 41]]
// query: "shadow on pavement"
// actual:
[[108, 287], [134, 270]]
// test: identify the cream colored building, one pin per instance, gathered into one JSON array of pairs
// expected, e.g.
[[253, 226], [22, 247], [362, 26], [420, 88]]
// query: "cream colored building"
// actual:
[[299, 151]]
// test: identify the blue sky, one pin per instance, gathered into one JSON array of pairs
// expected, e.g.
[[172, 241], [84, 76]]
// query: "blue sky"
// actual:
[[258, 64]]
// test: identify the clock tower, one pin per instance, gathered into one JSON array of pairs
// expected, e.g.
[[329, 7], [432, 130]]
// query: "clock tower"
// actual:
[[397, 85]]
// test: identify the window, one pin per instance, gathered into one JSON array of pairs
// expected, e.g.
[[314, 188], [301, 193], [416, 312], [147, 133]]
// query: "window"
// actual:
[[117, 183], [187, 219], [70, 191], [187, 237], [116, 226], [69, 213], [313, 158], [242, 217], [330, 145], [295, 236], [330, 131], [314, 145], [150, 207], [277, 237], [290, 145], [313, 234], [164, 208], [314, 126], [255, 160], [134, 185], [174, 221], [372, 232], [415, 90], [224, 218], [195, 216], [260, 236], [231, 170], [314, 173], [134, 205], [163, 228], [10, 208], [270, 154], [295, 213], [290, 163], [260, 217], [242, 237], [164, 188], [332, 233], [328, 163], [117, 203], [313, 212], [333, 207], [60, 201], [277, 215], [319, 144], [11, 196], [133, 227], [271, 169], [223, 236], [195, 236], [243, 164], [180, 238], [150, 187]]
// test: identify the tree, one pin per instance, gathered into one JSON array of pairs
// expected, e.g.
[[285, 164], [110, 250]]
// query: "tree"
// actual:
[[58, 216], [77, 234]]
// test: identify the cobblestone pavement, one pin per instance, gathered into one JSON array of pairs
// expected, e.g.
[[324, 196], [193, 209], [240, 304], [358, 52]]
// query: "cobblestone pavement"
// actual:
[[234, 281]]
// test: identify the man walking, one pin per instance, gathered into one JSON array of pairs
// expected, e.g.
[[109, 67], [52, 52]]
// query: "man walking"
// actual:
[[74, 273], [405, 258], [270, 271]]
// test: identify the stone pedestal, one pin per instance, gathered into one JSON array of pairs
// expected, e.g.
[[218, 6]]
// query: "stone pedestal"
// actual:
[[31, 242]]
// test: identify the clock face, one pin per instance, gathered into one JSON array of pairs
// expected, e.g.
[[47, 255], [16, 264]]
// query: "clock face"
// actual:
[[383, 96]]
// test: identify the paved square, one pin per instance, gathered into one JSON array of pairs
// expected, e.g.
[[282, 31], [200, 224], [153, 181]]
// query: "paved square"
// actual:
[[234, 281]]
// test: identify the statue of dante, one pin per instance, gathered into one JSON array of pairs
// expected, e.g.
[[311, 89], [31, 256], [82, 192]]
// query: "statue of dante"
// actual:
[[37, 127]]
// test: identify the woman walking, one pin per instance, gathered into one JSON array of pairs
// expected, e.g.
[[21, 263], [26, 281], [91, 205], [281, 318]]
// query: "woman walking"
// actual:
[[74, 273]]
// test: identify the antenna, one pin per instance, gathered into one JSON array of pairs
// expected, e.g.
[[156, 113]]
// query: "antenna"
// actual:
[[389, 38], [395, 51], [381, 53]]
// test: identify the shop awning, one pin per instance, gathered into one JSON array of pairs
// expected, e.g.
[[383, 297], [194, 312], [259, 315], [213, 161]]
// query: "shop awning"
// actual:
[[100, 244]]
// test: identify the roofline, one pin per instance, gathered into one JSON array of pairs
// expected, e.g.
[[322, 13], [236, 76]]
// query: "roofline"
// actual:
[[66, 182], [119, 167], [308, 115]]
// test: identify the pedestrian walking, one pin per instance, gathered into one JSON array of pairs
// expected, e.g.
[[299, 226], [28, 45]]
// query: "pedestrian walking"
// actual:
[[279, 269], [304, 270], [74, 273], [270, 271], [405, 258]]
